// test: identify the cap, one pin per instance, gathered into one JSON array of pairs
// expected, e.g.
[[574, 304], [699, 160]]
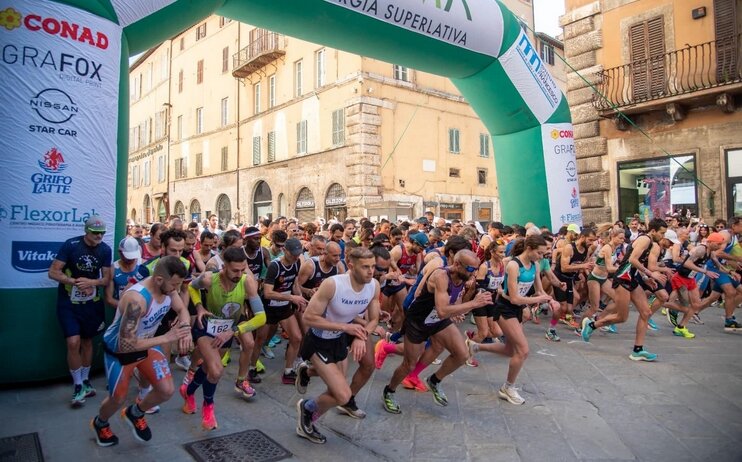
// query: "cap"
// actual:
[[130, 249], [95, 224], [672, 236], [251, 231], [573, 228], [715, 238], [294, 247], [420, 239]]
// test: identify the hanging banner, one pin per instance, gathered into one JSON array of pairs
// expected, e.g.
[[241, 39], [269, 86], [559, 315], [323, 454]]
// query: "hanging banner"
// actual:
[[561, 174], [60, 72]]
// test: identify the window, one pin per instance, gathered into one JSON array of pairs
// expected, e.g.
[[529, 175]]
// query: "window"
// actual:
[[134, 138], [224, 21], [271, 146], [454, 173], [160, 169], [647, 47], [482, 176], [256, 150], [165, 65], [147, 172], [256, 95], [271, 91], [180, 81], [180, 127], [136, 89], [453, 141], [199, 164], [160, 124], [301, 137], [201, 32], [181, 168], [547, 53], [657, 186], [199, 71], [225, 158], [734, 182], [225, 59], [484, 145], [338, 127], [150, 75], [225, 111], [298, 90], [182, 43], [199, 120], [319, 61], [135, 176], [401, 73]]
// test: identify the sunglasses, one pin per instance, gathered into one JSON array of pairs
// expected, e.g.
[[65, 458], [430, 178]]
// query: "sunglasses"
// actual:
[[281, 245], [720, 227], [97, 233], [379, 269], [470, 269]]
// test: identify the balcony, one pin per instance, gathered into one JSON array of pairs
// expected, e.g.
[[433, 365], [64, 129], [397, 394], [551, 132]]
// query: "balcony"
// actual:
[[694, 75], [264, 48]]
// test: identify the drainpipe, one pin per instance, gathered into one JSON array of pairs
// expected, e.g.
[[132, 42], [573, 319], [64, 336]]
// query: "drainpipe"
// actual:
[[237, 115]]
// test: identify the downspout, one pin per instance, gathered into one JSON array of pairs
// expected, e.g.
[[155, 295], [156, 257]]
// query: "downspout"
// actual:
[[237, 86]]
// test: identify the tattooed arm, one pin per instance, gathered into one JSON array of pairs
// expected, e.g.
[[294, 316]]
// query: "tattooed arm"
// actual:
[[133, 307]]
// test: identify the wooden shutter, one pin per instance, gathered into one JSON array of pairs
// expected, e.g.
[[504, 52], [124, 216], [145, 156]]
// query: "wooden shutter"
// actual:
[[647, 54], [725, 30]]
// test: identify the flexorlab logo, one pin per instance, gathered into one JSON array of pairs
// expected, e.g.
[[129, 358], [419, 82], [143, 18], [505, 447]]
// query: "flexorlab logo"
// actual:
[[33, 257]]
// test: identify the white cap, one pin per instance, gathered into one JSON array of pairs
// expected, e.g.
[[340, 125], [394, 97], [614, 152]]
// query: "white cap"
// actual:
[[672, 236], [130, 249]]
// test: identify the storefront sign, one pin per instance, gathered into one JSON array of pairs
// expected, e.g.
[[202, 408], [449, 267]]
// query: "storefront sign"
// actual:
[[335, 201], [445, 205], [430, 204], [305, 204]]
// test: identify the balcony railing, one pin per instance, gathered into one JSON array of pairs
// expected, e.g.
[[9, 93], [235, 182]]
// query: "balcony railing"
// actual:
[[688, 70], [264, 48]]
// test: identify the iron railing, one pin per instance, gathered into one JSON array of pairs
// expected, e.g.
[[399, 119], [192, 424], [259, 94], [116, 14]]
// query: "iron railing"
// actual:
[[266, 45], [690, 69]]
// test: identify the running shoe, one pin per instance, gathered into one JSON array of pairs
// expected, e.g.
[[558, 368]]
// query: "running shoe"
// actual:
[[511, 395], [259, 367], [243, 387], [275, 340], [413, 382], [390, 402], [672, 317], [472, 346], [683, 332], [587, 331], [284, 335], [351, 409], [302, 378], [267, 352], [208, 419], [651, 299], [568, 320], [226, 359], [552, 335], [150, 411], [379, 353], [696, 319], [78, 396], [289, 379], [138, 425], [663, 311], [305, 428], [609, 329], [731, 325], [652, 325], [87, 387], [642, 355], [189, 406], [188, 377], [472, 362], [534, 315], [438, 396], [253, 376], [104, 436], [183, 362]]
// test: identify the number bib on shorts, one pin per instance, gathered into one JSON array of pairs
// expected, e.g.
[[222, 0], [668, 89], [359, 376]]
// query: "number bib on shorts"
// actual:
[[79, 296], [216, 326]]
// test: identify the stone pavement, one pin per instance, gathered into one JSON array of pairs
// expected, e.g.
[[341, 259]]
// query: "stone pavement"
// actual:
[[584, 402]]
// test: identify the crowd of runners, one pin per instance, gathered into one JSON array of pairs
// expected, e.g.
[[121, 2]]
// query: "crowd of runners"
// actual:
[[361, 291]]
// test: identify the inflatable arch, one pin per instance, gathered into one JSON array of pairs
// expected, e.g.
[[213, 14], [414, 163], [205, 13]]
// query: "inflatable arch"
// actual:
[[64, 66]]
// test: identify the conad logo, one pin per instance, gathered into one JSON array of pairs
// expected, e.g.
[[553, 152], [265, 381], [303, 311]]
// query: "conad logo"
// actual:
[[11, 19], [556, 134]]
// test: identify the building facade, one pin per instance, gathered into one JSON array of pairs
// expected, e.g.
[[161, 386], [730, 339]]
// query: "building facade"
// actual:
[[673, 67], [242, 122]]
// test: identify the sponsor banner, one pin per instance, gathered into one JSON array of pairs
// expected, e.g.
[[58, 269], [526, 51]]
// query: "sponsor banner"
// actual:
[[561, 174], [131, 11], [473, 25], [60, 71], [531, 78]]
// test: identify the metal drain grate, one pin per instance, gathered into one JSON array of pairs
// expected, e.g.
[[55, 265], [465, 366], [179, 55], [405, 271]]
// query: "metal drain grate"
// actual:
[[21, 448], [247, 446]]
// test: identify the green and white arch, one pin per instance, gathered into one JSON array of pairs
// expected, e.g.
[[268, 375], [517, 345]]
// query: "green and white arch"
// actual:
[[478, 44]]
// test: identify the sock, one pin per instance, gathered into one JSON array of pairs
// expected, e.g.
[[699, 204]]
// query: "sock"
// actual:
[[76, 376], [553, 322], [351, 401], [419, 367], [209, 390], [395, 337], [198, 378], [508, 385], [592, 324], [99, 423], [85, 372], [387, 389], [287, 371], [136, 411], [434, 379], [389, 348], [638, 348]]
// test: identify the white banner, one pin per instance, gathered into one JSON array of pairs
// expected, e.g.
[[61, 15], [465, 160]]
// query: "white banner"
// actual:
[[561, 174], [131, 11], [60, 72], [474, 25], [531, 78]]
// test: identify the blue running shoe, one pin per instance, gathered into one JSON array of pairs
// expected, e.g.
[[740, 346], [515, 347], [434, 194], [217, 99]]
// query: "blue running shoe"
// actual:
[[652, 325], [609, 329], [587, 331], [275, 340], [642, 355]]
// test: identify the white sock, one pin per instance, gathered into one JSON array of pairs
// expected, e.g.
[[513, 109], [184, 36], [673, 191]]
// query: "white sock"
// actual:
[[85, 372], [76, 376]]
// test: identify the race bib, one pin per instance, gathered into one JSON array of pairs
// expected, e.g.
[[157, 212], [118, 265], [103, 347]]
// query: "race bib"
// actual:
[[81, 295], [523, 288], [432, 318], [495, 283], [278, 303], [215, 326]]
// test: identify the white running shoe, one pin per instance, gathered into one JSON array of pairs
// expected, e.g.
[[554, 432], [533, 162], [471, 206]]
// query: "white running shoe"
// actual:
[[511, 395]]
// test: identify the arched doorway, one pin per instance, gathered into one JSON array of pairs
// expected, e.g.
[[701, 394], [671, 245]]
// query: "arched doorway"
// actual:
[[179, 210], [335, 203], [133, 215], [262, 202], [195, 210], [161, 211], [282, 212], [224, 210], [147, 209], [305, 206]]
